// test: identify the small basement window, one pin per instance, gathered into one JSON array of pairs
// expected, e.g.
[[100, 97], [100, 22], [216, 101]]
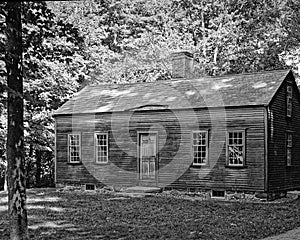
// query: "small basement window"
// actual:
[[217, 194], [90, 187]]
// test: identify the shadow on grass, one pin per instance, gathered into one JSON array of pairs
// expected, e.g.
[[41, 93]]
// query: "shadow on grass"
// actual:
[[46, 212], [83, 215]]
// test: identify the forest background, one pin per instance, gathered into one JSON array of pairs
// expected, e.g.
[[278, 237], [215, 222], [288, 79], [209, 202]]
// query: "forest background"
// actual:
[[70, 44]]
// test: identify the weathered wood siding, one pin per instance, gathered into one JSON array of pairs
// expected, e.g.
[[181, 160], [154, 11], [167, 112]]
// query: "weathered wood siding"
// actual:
[[217, 175], [281, 176], [174, 143]]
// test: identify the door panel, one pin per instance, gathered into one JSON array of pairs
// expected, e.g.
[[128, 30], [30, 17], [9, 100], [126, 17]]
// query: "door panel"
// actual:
[[148, 143]]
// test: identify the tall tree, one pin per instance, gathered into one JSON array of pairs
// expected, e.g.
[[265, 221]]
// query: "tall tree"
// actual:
[[15, 135], [52, 72]]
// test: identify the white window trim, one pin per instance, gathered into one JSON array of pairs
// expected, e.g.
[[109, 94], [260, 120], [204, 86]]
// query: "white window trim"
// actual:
[[289, 96], [96, 147], [243, 131], [69, 145], [289, 146], [206, 141]]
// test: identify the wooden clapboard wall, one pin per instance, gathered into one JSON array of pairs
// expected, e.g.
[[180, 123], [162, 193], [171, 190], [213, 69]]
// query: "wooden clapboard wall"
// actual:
[[280, 176], [174, 143]]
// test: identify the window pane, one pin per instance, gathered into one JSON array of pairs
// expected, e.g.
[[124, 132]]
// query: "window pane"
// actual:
[[202, 135], [74, 147], [289, 156], [74, 139], [289, 101], [101, 148], [199, 147], [235, 148], [289, 91], [289, 140], [195, 149], [194, 135]]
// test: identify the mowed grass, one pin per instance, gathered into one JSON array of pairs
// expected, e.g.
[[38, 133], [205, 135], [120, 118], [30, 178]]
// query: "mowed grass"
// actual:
[[83, 215]]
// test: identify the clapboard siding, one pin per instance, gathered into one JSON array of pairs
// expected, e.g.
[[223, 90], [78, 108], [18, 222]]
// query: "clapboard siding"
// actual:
[[174, 142], [217, 175], [281, 176]]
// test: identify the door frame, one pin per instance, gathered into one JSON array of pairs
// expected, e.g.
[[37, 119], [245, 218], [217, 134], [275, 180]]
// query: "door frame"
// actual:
[[139, 133]]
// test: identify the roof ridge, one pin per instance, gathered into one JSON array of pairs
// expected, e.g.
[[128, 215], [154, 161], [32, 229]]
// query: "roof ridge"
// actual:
[[190, 79], [252, 73], [238, 89]]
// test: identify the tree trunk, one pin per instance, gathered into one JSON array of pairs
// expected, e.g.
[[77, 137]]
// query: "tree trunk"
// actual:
[[15, 135], [38, 155], [5, 181], [203, 32], [28, 166]]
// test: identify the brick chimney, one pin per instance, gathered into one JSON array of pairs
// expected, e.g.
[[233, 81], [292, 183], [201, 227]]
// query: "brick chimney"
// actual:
[[182, 65]]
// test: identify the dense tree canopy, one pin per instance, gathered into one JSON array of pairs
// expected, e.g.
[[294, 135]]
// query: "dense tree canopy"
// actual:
[[50, 78], [135, 38]]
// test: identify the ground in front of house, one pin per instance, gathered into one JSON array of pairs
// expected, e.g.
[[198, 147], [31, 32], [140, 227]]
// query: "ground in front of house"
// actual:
[[90, 215]]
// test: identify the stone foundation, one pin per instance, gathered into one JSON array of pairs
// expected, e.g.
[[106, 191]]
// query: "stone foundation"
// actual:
[[204, 194], [228, 195]]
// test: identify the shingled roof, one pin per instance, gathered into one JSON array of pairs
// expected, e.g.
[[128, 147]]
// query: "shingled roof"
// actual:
[[230, 90]]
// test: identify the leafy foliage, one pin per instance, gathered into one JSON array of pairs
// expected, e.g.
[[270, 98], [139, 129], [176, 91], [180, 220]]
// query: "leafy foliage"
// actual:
[[70, 44], [51, 75], [130, 41]]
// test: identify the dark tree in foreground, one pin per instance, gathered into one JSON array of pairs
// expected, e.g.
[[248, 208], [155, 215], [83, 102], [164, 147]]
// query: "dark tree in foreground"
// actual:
[[15, 136]]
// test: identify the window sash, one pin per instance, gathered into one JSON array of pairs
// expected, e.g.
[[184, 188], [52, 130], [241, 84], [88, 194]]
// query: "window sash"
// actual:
[[101, 147], [235, 148], [289, 96], [289, 156], [200, 147], [74, 148], [289, 91], [289, 145], [289, 140]]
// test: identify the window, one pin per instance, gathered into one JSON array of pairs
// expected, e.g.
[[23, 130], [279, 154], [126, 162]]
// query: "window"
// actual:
[[289, 94], [289, 144], [235, 149], [217, 194], [101, 147], [200, 148], [90, 187], [74, 148]]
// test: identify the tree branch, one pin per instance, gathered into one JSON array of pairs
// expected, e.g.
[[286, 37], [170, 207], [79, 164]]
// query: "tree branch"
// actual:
[[8, 89], [3, 12]]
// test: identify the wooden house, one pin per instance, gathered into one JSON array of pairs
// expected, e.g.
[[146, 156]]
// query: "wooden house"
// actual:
[[230, 133]]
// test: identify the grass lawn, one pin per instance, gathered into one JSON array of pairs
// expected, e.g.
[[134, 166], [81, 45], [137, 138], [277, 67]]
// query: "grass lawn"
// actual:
[[77, 215]]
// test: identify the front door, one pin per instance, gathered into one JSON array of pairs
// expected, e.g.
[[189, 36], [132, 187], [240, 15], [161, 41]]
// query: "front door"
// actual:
[[147, 156]]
